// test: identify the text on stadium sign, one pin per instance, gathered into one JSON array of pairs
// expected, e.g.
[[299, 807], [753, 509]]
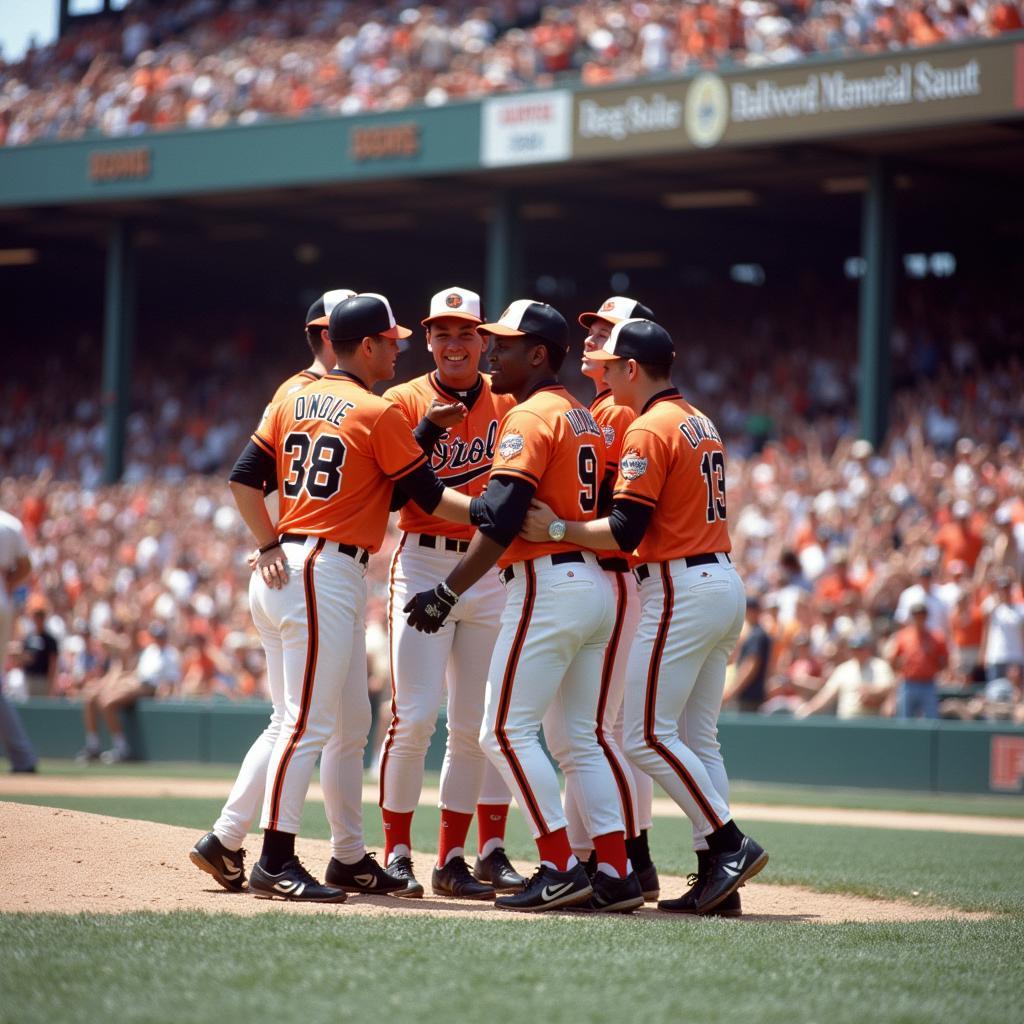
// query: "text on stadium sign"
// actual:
[[385, 142], [118, 164]]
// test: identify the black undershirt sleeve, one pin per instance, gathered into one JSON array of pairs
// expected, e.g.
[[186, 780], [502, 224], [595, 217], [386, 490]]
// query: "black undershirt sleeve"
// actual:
[[421, 486], [427, 434], [499, 512], [255, 468], [604, 494], [629, 521]]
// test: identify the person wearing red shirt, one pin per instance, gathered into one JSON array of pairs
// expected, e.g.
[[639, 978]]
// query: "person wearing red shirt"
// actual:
[[918, 655]]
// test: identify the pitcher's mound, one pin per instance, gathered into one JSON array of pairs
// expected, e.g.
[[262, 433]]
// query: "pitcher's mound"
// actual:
[[67, 862]]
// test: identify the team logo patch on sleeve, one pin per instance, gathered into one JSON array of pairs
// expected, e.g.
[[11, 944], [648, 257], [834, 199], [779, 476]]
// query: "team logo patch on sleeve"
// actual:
[[511, 445], [609, 436], [632, 465]]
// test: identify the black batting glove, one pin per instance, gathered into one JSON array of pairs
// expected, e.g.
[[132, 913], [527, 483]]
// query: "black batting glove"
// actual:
[[428, 610]]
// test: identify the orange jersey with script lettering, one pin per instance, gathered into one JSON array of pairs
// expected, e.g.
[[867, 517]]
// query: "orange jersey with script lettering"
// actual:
[[553, 442], [673, 460], [462, 457], [338, 449], [613, 420]]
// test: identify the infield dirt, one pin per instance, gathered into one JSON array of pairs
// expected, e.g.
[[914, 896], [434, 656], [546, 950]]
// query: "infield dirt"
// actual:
[[70, 862]]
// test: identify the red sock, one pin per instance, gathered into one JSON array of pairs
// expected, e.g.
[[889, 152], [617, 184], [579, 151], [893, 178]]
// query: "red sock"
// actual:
[[555, 849], [611, 850], [452, 834], [490, 824], [397, 830]]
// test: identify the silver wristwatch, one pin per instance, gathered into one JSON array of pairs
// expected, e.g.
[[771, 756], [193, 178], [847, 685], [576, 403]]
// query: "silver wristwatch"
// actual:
[[556, 529]]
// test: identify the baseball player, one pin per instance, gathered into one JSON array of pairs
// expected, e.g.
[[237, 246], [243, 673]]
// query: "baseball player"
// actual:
[[558, 616], [219, 853], [430, 548], [635, 787], [336, 450], [669, 507]]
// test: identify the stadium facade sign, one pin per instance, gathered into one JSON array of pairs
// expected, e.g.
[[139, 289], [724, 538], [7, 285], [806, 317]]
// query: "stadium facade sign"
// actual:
[[529, 128], [121, 164], [384, 141], [915, 89]]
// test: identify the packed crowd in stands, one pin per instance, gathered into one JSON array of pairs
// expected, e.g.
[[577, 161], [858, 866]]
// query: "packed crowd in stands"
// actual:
[[864, 568], [199, 63]]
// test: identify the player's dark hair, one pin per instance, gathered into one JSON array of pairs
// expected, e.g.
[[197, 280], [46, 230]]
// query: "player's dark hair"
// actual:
[[346, 348], [313, 338], [657, 371], [556, 355]]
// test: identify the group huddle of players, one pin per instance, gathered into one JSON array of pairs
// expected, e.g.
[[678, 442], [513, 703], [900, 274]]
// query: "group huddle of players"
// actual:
[[560, 567]]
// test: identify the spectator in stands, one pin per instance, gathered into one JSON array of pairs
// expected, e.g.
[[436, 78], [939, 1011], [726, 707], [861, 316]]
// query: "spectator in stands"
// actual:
[[858, 688], [39, 652], [923, 592], [1002, 642], [747, 685], [155, 672], [1002, 700], [959, 540], [966, 630], [918, 654]]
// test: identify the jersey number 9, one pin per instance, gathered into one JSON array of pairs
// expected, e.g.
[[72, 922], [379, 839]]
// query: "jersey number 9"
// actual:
[[587, 468], [318, 473]]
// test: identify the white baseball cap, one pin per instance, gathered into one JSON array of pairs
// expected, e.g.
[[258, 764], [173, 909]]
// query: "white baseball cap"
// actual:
[[460, 303], [616, 309], [319, 314]]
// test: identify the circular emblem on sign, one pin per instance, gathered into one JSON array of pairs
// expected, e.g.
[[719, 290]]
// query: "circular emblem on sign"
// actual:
[[511, 445], [453, 301], [707, 110], [633, 465]]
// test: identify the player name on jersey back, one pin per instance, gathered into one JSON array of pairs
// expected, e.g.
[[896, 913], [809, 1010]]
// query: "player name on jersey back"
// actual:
[[553, 442], [338, 449], [673, 460], [462, 457]]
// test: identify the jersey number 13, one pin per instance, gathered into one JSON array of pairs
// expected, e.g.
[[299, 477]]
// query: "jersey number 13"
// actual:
[[713, 468]]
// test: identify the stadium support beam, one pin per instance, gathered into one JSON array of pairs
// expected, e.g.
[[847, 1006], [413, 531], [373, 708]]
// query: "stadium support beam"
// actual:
[[504, 253], [118, 332], [878, 249]]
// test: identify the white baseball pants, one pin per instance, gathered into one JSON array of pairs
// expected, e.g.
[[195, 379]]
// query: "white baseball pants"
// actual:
[[313, 632], [547, 666], [690, 621], [635, 788], [460, 651]]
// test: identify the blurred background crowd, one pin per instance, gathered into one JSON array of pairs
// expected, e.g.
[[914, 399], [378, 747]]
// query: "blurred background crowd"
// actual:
[[198, 63], [866, 569]]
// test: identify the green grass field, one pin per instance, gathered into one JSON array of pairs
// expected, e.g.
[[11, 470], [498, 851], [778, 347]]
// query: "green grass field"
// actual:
[[188, 966]]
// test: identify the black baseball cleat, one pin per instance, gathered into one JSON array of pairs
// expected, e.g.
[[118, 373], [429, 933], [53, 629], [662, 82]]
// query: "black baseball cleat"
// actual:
[[687, 903], [455, 880], [549, 889], [614, 895], [293, 883], [649, 883], [728, 871], [497, 869], [401, 870], [226, 866], [365, 876]]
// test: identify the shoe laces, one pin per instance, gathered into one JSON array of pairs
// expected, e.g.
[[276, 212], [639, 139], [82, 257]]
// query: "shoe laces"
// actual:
[[460, 869], [296, 866], [401, 866], [691, 880], [500, 859]]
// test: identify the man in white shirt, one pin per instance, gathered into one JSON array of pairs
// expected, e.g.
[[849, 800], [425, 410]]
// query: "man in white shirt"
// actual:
[[858, 687], [1002, 643], [923, 592], [15, 568]]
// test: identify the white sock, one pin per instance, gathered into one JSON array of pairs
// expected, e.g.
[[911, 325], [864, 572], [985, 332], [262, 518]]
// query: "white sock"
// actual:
[[92, 741], [120, 743], [399, 851], [572, 863], [455, 851], [229, 844], [490, 846], [607, 869]]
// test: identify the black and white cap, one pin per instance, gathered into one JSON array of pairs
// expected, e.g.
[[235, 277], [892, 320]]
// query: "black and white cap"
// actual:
[[616, 309], [539, 319], [642, 340], [319, 314], [363, 316]]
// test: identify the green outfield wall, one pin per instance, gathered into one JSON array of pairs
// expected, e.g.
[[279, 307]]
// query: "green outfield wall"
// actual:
[[952, 757]]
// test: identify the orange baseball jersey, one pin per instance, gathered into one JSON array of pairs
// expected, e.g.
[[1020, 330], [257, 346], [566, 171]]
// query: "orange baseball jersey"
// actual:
[[673, 459], [613, 420], [554, 443], [338, 449], [296, 382], [462, 458]]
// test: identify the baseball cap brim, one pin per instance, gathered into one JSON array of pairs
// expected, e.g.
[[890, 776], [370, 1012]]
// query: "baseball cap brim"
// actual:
[[506, 332], [601, 356], [453, 315], [320, 321], [586, 319], [398, 331]]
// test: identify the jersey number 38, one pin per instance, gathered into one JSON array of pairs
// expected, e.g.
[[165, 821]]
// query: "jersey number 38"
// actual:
[[315, 467]]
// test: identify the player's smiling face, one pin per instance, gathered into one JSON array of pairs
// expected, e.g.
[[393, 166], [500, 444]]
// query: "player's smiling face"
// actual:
[[456, 347], [600, 330]]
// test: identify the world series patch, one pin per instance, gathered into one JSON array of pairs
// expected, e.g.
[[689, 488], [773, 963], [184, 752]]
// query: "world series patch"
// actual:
[[511, 445], [632, 465], [609, 436]]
